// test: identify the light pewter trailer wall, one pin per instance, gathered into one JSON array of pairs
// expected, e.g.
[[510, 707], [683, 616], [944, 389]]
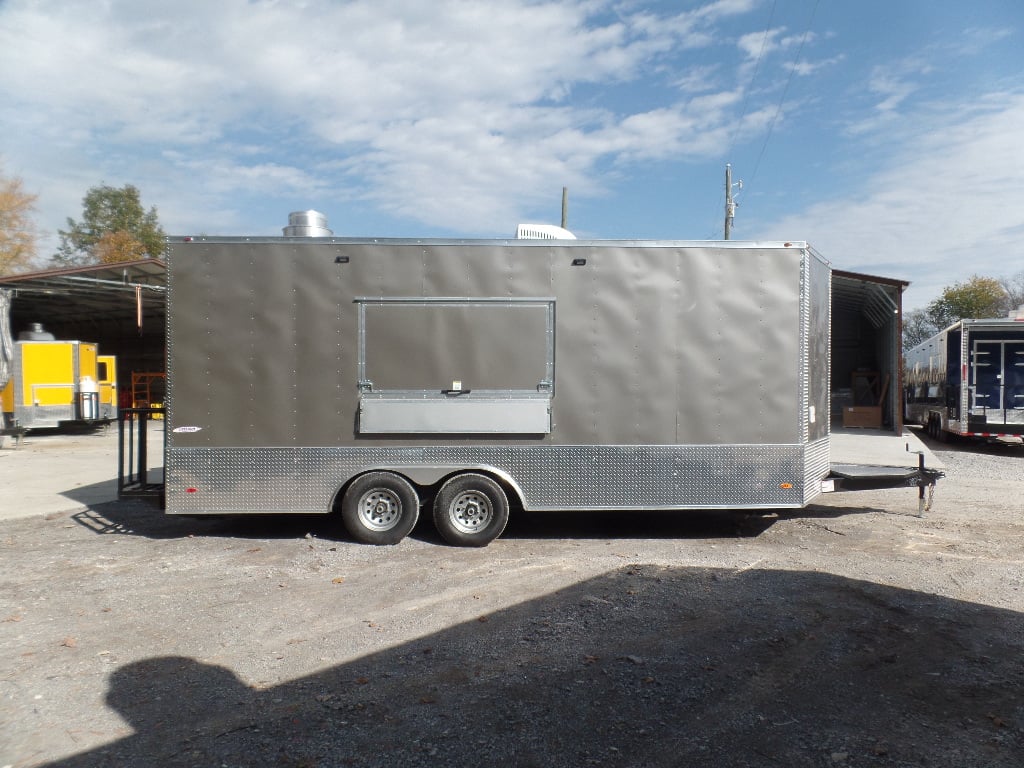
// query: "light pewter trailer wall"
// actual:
[[370, 376]]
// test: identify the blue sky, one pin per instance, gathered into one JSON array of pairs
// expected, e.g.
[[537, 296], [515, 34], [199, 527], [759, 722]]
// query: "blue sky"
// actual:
[[888, 133]]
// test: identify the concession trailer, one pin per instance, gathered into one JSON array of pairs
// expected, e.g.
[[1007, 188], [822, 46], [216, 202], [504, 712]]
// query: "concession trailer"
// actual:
[[373, 377], [51, 383]]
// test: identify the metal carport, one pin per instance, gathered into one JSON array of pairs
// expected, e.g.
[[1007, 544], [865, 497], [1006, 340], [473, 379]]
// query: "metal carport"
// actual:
[[119, 306]]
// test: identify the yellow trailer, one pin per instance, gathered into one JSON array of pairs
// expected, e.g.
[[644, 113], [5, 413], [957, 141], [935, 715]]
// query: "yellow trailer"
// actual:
[[52, 382], [106, 378]]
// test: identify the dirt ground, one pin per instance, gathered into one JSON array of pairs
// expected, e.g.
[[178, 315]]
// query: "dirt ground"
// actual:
[[852, 633]]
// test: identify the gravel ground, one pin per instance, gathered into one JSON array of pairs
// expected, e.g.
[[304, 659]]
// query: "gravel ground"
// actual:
[[852, 633]]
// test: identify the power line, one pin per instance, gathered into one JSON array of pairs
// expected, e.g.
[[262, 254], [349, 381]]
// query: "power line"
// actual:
[[748, 89], [785, 91], [753, 77]]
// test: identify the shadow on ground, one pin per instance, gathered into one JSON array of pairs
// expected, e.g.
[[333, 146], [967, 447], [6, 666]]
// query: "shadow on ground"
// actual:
[[644, 666], [144, 517], [93, 493]]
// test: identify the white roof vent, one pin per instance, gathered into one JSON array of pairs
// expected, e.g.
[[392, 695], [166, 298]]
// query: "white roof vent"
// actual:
[[543, 232]]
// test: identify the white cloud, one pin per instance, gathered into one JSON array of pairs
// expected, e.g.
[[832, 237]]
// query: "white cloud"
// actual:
[[893, 90], [693, 28], [950, 204], [975, 39], [758, 47], [805, 68], [755, 44], [889, 88], [459, 116], [697, 79], [451, 113]]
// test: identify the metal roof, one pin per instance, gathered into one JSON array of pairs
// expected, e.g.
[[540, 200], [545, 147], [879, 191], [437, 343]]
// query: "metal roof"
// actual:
[[91, 295], [877, 298]]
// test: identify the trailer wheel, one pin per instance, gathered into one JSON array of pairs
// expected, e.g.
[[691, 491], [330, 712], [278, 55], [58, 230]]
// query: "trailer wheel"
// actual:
[[470, 510], [380, 508]]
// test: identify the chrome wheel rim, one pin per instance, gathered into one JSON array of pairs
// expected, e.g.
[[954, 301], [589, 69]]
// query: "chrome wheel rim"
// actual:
[[380, 509], [470, 511]]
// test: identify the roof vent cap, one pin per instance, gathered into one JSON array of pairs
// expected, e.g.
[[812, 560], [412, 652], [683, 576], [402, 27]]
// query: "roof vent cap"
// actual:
[[307, 224], [35, 332], [543, 232]]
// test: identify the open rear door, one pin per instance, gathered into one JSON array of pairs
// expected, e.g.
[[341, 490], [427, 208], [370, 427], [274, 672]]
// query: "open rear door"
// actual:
[[866, 352]]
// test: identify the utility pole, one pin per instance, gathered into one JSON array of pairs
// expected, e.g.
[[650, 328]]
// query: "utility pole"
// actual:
[[565, 206], [730, 203]]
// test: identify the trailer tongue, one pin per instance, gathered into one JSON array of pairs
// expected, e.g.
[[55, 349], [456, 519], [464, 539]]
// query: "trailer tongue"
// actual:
[[864, 460], [860, 477]]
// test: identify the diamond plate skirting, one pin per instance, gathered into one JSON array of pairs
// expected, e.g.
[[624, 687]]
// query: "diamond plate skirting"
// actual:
[[817, 466], [269, 480]]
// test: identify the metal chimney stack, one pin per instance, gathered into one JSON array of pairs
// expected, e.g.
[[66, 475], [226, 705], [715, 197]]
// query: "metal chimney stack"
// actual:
[[307, 224]]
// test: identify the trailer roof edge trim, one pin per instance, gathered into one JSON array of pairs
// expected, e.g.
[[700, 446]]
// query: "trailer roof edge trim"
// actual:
[[525, 243]]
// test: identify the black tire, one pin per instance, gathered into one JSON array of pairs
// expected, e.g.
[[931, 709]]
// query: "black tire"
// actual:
[[470, 510], [380, 508]]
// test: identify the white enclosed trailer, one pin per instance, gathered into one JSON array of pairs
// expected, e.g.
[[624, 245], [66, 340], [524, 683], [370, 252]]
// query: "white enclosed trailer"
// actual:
[[968, 380], [370, 377]]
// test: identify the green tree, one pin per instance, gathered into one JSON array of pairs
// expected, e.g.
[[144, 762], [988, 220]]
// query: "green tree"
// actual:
[[118, 246], [1014, 287], [110, 216], [17, 232], [977, 297], [917, 327]]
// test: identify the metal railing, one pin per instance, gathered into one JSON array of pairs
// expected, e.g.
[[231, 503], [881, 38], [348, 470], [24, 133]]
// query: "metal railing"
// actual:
[[135, 477]]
